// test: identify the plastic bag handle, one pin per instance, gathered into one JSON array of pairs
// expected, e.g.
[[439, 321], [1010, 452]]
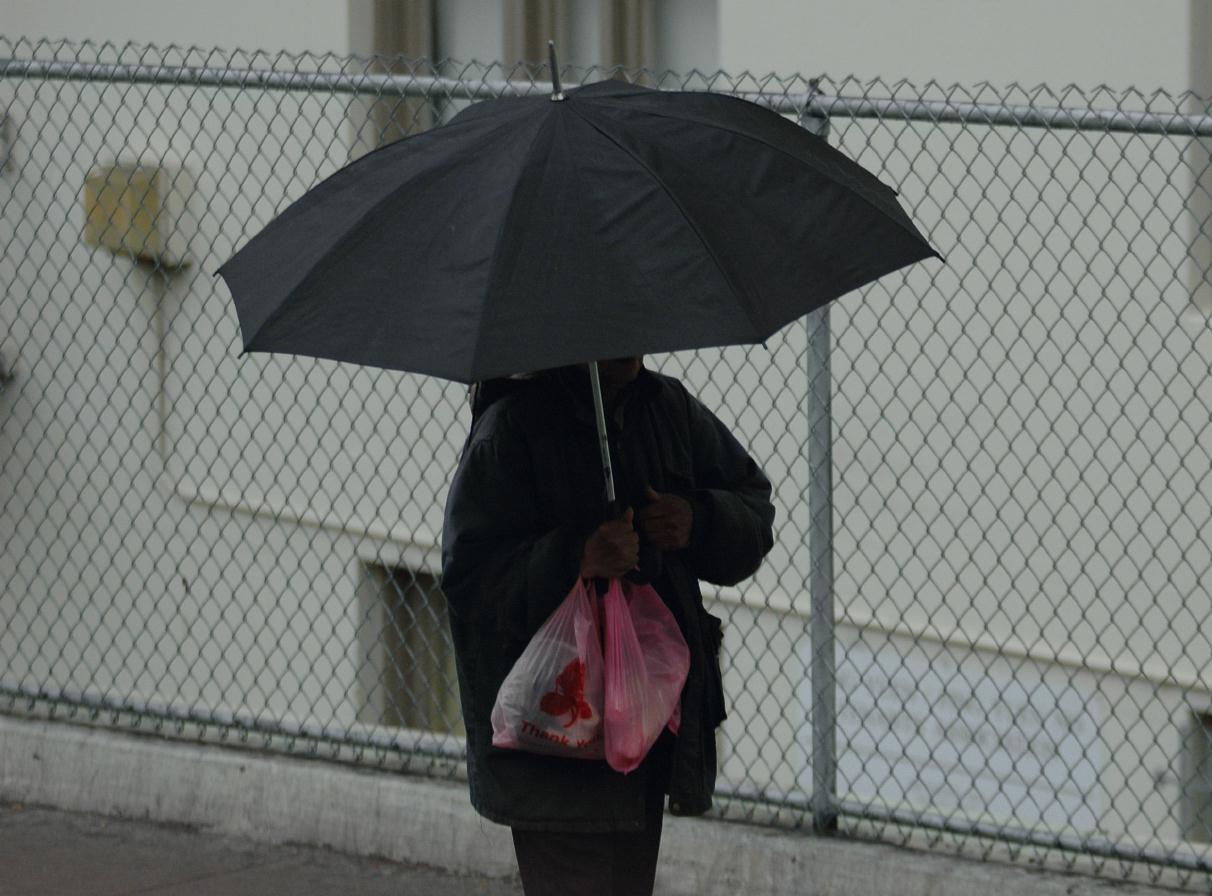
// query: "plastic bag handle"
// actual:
[[596, 596]]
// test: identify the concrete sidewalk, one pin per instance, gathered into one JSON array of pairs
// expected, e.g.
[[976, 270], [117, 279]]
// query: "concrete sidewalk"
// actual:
[[49, 852], [222, 820]]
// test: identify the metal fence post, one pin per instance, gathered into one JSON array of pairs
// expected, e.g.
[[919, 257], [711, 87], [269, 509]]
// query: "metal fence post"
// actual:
[[820, 540]]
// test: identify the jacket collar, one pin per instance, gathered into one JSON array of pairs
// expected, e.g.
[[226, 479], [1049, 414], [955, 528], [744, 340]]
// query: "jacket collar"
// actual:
[[574, 381]]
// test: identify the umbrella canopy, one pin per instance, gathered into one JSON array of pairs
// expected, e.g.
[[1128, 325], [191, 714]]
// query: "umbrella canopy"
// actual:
[[530, 233]]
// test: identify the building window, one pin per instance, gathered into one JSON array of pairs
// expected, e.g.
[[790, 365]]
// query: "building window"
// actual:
[[402, 34], [587, 32], [407, 675], [1197, 779]]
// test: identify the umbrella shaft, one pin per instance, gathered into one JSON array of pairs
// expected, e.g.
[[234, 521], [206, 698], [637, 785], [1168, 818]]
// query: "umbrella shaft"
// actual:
[[599, 413]]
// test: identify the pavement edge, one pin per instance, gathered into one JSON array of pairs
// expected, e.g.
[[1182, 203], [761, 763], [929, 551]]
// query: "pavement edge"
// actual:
[[283, 799]]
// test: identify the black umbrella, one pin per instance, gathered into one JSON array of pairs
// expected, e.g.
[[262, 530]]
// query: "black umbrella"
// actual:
[[536, 232]]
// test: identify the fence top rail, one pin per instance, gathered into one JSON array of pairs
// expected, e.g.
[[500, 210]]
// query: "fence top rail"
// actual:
[[804, 103]]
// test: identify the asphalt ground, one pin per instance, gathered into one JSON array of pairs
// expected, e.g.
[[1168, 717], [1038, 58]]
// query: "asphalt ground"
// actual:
[[48, 852]]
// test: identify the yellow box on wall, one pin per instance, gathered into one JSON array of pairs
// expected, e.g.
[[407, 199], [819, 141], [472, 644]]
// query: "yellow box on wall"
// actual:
[[135, 210]]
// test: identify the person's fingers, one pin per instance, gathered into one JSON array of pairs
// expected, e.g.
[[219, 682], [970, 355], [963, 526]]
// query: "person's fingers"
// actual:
[[666, 506], [668, 532], [616, 528], [663, 521], [613, 549], [626, 538], [672, 517], [655, 523], [663, 517], [657, 512]]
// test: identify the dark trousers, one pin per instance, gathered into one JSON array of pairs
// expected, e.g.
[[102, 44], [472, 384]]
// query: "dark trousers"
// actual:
[[610, 863]]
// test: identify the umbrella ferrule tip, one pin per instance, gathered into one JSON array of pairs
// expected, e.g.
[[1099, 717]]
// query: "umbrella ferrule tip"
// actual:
[[557, 92]]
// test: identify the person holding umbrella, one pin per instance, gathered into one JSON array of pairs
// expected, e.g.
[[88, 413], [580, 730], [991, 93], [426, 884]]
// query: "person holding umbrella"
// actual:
[[550, 233], [525, 517]]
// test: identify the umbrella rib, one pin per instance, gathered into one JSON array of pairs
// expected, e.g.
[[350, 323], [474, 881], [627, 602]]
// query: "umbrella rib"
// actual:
[[746, 303], [496, 247], [291, 212], [348, 237], [322, 262], [705, 122]]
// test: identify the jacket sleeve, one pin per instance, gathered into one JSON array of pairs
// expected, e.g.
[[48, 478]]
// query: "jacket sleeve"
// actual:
[[499, 566], [733, 515]]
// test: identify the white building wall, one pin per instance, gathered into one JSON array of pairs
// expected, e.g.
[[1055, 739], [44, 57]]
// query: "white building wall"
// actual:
[[1122, 43], [996, 494], [318, 26], [133, 600]]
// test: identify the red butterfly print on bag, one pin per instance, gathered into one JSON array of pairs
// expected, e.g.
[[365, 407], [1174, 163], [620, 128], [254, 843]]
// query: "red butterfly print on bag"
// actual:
[[569, 695]]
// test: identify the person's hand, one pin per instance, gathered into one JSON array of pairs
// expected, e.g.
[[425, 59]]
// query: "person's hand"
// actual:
[[666, 520], [612, 550]]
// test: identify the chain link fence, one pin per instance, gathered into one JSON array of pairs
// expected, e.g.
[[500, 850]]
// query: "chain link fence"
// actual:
[[992, 476]]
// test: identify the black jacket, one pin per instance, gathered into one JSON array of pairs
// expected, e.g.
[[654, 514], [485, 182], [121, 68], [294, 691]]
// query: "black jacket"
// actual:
[[526, 495]]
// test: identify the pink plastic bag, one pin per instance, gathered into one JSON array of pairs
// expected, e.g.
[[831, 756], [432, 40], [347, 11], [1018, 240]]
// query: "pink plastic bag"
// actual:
[[646, 664], [551, 701]]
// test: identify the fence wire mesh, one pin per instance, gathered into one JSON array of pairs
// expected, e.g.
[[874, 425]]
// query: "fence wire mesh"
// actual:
[[1020, 493]]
